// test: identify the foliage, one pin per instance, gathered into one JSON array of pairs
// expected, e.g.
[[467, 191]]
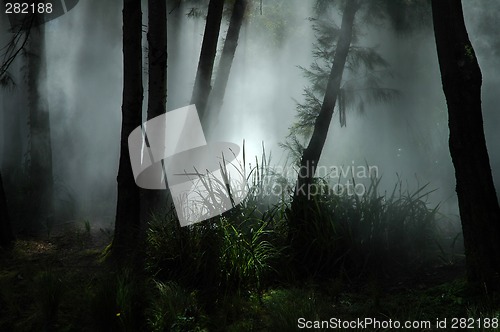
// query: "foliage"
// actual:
[[285, 306], [98, 298], [48, 288], [403, 16], [369, 235], [363, 82], [352, 236], [117, 302], [173, 309], [232, 252], [235, 251], [246, 255]]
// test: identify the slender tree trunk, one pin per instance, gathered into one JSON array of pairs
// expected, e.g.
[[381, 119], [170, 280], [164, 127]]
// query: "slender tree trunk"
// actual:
[[477, 199], [157, 48], [226, 61], [201, 92], [312, 153], [152, 200], [14, 108], [203, 81], [12, 138], [175, 18], [127, 224], [41, 178], [6, 236]]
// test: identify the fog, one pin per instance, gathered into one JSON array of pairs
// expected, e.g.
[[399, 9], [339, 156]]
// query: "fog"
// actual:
[[405, 139]]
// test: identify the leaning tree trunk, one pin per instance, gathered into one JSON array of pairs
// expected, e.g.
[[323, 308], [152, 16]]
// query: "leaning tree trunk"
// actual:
[[203, 80], [201, 92], [127, 224], [40, 150], [312, 153], [6, 236], [477, 199], [152, 200], [226, 61]]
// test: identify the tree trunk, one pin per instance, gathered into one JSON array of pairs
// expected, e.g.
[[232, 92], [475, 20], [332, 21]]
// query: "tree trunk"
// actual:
[[202, 83], [175, 19], [477, 199], [153, 200], [13, 96], [312, 153], [127, 224], [157, 48], [217, 96], [14, 109], [41, 178], [6, 236]]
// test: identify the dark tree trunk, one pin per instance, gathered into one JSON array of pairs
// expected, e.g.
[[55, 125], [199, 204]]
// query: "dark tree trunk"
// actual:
[[14, 102], [6, 236], [152, 200], [127, 224], [226, 61], [157, 52], [175, 39], [203, 80], [312, 153], [201, 92], [40, 151], [13, 96], [479, 210]]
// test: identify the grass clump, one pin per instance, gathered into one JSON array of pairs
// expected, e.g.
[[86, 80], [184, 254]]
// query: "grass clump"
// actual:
[[365, 236], [48, 290], [173, 309], [232, 270], [117, 302]]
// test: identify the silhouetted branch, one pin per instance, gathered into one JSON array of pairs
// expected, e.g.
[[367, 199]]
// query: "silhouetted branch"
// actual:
[[11, 49]]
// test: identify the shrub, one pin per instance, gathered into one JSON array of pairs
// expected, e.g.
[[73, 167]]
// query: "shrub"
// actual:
[[369, 235]]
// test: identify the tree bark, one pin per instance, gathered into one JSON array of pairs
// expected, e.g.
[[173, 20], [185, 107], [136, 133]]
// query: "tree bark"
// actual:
[[6, 236], [175, 10], [477, 199], [40, 152], [312, 153], [203, 80], [152, 200], [127, 224], [12, 110], [157, 52], [226, 61]]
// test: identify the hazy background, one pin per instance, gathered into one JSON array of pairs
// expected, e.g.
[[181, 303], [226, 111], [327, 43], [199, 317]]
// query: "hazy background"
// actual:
[[406, 138]]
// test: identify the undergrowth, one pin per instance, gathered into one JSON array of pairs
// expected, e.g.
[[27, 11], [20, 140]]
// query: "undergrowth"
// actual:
[[238, 271]]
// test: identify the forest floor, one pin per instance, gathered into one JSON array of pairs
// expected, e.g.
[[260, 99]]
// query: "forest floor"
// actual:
[[48, 279], [49, 284]]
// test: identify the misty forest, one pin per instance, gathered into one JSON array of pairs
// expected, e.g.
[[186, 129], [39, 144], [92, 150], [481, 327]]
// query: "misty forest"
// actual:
[[249, 165]]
